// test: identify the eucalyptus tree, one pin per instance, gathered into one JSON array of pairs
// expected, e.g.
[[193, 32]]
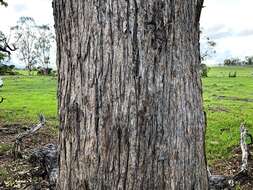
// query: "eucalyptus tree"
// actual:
[[25, 36], [43, 45], [130, 95]]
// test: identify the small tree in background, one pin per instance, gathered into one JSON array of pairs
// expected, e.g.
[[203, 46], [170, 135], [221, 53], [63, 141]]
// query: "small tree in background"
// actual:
[[204, 70], [207, 47], [2, 57], [248, 60], [43, 46], [25, 35], [233, 62], [207, 50]]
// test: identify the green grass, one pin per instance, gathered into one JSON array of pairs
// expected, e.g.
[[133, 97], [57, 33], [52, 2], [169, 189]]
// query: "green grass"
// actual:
[[4, 148], [27, 96], [3, 173], [26, 72], [224, 115]]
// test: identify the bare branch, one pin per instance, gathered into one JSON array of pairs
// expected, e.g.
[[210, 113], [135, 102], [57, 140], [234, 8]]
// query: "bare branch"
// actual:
[[222, 182], [31, 131]]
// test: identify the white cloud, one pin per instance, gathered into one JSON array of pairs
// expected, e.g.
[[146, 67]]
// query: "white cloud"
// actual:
[[40, 10], [229, 24]]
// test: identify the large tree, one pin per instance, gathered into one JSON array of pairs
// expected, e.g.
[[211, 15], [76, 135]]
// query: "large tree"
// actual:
[[130, 95]]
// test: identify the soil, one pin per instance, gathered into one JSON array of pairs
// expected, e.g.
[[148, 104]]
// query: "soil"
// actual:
[[231, 167], [20, 174]]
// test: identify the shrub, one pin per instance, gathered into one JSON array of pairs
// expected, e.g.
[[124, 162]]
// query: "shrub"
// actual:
[[204, 70], [232, 75], [7, 70], [44, 71]]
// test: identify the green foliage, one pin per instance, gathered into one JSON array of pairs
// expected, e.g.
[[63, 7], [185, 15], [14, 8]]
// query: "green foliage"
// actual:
[[204, 70], [232, 74], [2, 56], [45, 71], [3, 173], [237, 62], [7, 70], [233, 62], [248, 60], [4, 148]]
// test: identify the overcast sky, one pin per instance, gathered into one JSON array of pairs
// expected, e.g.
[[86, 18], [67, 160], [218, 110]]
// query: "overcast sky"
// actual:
[[227, 22]]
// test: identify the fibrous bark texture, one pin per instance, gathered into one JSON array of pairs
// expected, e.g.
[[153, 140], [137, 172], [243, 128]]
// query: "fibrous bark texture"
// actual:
[[130, 95]]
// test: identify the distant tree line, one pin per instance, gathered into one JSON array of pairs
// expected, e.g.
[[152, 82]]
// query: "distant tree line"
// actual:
[[7, 70], [238, 62]]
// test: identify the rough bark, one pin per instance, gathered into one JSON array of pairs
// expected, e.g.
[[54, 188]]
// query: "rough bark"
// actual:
[[130, 95]]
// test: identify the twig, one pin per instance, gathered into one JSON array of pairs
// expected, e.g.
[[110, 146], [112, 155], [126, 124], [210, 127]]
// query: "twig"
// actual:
[[20, 137], [244, 147], [221, 182]]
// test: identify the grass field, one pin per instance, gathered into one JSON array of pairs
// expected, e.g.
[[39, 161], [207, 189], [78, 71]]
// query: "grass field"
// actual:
[[228, 102], [26, 97]]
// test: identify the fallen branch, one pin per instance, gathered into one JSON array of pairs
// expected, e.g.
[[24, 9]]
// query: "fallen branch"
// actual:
[[222, 182], [244, 147], [20, 137]]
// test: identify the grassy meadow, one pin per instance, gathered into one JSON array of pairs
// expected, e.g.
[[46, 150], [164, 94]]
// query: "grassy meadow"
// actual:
[[227, 101]]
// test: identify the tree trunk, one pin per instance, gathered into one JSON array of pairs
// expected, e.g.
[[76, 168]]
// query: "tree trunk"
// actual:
[[130, 95]]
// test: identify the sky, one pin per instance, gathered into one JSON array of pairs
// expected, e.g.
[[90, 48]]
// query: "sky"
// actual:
[[227, 22]]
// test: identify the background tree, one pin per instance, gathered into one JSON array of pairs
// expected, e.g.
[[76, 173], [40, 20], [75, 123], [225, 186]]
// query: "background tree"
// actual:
[[207, 48], [248, 60], [25, 35], [5, 47], [130, 95], [2, 2], [204, 69], [232, 62], [44, 40], [2, 56]]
